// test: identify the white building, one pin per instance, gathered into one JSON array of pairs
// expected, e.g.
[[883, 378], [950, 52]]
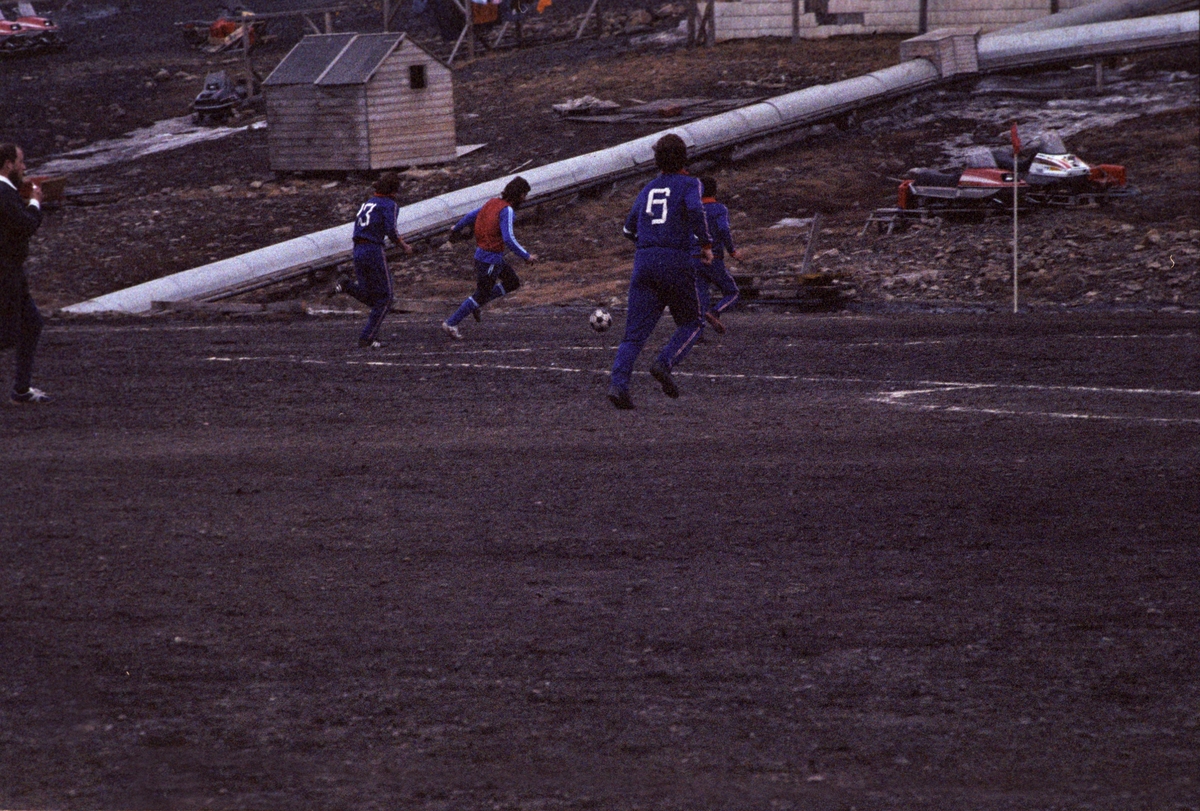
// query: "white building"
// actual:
[[818, 19]]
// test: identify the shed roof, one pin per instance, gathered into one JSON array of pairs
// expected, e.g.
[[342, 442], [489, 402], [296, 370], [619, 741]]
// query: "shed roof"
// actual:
[[334, 59]]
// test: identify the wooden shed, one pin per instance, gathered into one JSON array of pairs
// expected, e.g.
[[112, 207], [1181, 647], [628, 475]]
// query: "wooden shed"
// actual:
[[342, 102]]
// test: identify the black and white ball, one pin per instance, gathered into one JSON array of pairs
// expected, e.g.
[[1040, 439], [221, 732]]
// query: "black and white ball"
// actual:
[[600, 319]]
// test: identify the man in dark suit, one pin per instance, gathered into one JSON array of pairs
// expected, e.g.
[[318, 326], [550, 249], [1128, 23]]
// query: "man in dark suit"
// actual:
[[20, 321]]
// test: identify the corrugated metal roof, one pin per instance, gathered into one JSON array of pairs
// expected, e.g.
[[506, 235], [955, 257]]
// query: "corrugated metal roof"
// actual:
[[334, 59], [310, 58], [358, 62]]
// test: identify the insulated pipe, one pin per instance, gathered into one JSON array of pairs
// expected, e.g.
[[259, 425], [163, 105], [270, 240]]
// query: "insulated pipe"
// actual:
[[428, 217], [1003, 50], [1102, 11]]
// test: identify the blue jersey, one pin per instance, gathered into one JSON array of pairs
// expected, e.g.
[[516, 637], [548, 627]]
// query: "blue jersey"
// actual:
[[668, 214], [376, 221], [718, 226]]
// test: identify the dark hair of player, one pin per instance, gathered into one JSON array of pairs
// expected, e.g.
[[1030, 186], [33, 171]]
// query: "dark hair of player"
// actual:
[[708, 186], [387, 184], [670, 153], [514, 193]]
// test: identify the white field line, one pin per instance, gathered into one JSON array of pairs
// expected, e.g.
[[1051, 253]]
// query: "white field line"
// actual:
[[896, 398], [966, 339], [899, 399]]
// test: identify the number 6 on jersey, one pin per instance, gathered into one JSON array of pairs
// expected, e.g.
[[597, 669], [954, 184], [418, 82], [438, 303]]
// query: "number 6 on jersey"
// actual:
[[657, 199]]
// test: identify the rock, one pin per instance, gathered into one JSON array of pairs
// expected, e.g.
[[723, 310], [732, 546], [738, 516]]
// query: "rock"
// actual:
[[639, 19], [162, 75], [793, 222]]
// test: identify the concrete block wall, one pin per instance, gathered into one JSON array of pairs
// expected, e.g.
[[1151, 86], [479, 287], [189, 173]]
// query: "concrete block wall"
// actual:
[[745, 19]]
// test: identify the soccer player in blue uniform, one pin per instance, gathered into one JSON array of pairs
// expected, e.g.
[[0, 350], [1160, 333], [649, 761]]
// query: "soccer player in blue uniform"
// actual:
[[493, 222], [664, 220], [715, 273], [372, 283]]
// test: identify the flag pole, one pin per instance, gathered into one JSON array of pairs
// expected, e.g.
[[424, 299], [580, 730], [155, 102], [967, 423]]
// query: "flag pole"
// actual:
[[1016, 143]]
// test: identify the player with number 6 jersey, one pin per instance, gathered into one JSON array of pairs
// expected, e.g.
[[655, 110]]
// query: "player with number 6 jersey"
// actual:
[[663, 222]]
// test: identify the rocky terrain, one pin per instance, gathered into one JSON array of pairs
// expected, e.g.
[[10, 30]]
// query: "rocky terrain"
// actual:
[[128, 68]]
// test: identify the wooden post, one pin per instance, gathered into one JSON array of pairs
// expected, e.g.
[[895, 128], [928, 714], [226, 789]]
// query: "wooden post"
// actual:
[[812, 243], [691, 22], [710, 27], [923, 17], [587, 15], [1016, 179], [466, 29], [470, 30], [247, 26], [795, 22], [328, 22], [391, 9]]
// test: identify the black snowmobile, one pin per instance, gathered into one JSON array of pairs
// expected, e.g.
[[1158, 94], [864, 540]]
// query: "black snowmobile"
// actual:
[[219, 99]]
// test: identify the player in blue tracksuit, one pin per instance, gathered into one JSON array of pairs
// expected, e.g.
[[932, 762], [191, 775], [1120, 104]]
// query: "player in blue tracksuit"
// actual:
[[664, 220], [715, 272], [372, 283], [493, 224]]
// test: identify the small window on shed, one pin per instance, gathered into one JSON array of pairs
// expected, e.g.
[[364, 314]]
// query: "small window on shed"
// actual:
[[416, 77]]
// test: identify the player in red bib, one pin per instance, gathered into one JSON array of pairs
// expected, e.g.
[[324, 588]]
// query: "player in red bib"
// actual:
[[494, 277]]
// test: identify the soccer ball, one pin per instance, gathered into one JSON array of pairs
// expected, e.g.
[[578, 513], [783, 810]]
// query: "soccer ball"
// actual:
[[600, 319]]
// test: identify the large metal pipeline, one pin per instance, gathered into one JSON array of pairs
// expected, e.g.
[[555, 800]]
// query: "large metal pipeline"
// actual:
[[1003, 50], [1102, 11], [428, 217], [997, 51]]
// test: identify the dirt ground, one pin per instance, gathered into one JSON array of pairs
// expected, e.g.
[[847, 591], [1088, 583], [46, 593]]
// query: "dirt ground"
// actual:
[[912, 555], [931, 561], [180, 209]]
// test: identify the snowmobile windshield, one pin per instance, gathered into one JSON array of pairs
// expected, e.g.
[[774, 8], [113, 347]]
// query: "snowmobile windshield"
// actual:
[[1051, 144]]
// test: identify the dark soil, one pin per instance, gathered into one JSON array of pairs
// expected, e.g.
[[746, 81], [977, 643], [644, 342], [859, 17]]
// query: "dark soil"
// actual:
[[928, 562]]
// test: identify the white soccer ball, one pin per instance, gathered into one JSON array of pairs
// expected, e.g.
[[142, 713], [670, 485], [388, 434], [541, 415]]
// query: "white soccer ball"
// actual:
[[600, 319]]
